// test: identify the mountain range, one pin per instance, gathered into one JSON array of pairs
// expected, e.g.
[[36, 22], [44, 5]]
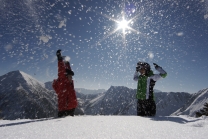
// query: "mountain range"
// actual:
[[24, 97]]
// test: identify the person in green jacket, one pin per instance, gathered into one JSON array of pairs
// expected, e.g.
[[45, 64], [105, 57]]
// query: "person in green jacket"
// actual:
[[146, 80]]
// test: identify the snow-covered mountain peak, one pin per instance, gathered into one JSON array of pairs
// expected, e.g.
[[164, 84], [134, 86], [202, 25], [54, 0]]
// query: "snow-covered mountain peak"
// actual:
[[30, 80], [22, 96], [16, 80]]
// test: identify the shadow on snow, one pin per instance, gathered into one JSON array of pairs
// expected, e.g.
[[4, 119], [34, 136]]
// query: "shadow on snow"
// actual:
[[173, 119], [27, 122]]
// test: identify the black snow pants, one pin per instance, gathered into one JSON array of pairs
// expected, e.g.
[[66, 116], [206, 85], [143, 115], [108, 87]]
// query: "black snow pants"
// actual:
[[66, 113], [146, 107]]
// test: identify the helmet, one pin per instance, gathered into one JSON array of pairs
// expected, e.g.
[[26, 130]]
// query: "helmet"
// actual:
[[144, 65]]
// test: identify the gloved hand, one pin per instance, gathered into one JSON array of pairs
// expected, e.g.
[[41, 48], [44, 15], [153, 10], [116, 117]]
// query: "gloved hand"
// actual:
[[69, 72], [137, 69], [58, 54], [156, 66]]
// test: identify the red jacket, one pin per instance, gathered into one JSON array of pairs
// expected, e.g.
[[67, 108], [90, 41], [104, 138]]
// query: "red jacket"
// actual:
[[64, 88]]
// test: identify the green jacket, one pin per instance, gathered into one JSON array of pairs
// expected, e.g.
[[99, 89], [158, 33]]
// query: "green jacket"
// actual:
[[146, 83]]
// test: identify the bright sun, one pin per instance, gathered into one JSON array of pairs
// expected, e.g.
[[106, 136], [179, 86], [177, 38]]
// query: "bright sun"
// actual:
[[123, 24]]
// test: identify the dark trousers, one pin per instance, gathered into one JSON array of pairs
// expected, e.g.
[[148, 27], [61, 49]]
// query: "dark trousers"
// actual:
[[146, 107], [66, 113]]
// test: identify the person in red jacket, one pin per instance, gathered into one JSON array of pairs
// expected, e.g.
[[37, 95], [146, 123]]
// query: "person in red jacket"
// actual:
[[64, 87]]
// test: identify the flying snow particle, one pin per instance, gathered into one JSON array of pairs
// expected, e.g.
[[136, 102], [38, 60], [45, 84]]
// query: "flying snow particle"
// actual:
[[45, 39], [8, 47], [67, 58], [179, 34], [69, 12], [45, 55], [206, 16], [133, 10], [151, 55], [62, 23]]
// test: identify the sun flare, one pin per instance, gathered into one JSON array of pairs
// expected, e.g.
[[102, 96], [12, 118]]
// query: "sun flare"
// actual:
[[123, 24]]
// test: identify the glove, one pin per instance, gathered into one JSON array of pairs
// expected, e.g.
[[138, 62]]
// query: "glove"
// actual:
[[137, 69], [58, 54], [69, 72], [156, 66]]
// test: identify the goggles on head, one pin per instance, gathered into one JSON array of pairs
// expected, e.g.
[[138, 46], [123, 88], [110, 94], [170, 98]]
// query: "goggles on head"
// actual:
[[144, 65]]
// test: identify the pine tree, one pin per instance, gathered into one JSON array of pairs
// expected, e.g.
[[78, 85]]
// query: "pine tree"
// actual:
[[203, 111]]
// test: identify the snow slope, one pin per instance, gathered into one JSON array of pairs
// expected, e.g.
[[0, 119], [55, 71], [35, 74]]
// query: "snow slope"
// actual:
[[108, 127], [199, 99]]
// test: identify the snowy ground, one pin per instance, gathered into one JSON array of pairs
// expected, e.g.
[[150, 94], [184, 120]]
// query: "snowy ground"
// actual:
[[106, 127]]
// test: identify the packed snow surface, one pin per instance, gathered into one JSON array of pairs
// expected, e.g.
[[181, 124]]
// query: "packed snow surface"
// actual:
[[108, 127]]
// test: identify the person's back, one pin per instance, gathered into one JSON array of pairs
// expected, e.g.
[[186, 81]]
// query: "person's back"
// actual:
[[64, 87]]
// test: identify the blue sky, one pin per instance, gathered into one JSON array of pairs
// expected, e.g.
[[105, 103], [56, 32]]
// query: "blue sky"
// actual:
[[172, 34]]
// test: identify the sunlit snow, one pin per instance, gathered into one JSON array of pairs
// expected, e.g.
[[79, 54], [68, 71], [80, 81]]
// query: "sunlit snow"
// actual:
[[108, 127]]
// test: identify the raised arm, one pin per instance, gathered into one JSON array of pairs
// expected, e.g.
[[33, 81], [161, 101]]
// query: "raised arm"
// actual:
[[162, 73], [61, 65]]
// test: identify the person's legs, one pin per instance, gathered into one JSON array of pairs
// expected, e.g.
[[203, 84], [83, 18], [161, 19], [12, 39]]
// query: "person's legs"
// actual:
[[140, 108], [66, 113], [150, 108], [71, 112], [153, 108], [60, 113]]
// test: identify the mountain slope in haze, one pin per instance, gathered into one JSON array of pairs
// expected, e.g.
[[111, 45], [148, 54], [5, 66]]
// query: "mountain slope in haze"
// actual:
[[120, 100], [117, 100], [84, 91], [170, 102]]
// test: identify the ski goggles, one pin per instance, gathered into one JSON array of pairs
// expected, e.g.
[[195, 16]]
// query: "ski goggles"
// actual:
[[138, 67], [141, 65]]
